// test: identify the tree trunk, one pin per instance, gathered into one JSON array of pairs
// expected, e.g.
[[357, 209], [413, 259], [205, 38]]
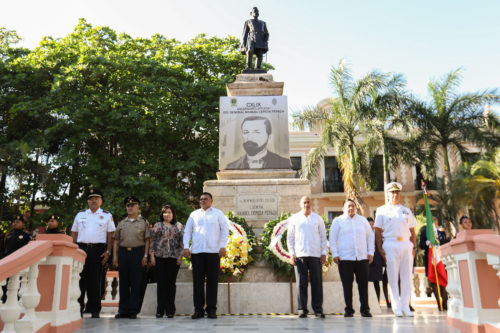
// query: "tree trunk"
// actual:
[[447, 171], [385, 161], [3, 181]]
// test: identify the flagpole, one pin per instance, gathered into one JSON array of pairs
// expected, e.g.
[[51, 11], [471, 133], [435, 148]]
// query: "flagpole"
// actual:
[[424, 190], [437, 277]]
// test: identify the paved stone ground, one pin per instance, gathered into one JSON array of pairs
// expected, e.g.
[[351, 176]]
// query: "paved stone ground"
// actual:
[[425, 320]]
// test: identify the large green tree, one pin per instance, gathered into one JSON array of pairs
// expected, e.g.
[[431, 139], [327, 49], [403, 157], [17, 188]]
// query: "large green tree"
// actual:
[[128, 115]]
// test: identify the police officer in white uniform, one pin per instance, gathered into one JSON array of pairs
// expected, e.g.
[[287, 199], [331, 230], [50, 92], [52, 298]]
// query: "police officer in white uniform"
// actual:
[[92, 230], [396, 224]]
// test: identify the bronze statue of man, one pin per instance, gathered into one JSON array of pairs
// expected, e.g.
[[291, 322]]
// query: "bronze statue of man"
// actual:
[[254, 41]]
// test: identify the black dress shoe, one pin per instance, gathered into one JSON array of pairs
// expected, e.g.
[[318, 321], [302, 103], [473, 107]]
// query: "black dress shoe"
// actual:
[[412, 309], [133, 316], [170, 315], [212, 315], [197, 315], [319, 315], [159, 315], [95, 314], [349, 314], [303, 315], [121, 315], [366, 314]]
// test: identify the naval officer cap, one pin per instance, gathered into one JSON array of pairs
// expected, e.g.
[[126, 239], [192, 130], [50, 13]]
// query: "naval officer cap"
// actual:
[[94, 192], [393, 186], [131, 200]]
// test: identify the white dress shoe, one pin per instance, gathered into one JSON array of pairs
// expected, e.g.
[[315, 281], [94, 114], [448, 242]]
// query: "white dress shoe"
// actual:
[[408, 313], [398, 313]]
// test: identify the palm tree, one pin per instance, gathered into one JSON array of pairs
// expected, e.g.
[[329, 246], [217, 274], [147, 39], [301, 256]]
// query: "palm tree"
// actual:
[[341, 127], [477, 188], [449, 121], [384, 123]]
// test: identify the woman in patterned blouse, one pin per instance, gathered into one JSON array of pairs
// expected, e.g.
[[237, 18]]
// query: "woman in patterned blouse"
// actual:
[[166, 254]]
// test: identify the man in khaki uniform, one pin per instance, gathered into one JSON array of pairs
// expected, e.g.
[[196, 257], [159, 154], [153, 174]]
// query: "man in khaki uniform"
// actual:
[[130, 252]]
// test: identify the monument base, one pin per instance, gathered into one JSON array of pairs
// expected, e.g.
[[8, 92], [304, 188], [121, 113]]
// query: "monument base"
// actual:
[[257, 199], [261, 84], [261, 297]]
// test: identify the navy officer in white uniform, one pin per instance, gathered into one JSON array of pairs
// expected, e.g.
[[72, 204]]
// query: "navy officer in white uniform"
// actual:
[[207, 230], [307, 245], [396, 224], [92, 230]]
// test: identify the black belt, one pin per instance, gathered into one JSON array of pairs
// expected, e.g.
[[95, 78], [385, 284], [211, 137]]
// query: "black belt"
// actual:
[[131, 248], [92, 244]]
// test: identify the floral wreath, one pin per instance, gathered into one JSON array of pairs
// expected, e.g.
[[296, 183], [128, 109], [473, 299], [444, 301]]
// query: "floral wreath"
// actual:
[[276, 245], [277, 248], [235, 228], [237, 258]]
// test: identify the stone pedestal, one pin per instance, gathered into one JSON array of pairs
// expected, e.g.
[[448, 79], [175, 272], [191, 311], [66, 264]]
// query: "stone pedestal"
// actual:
[[255, 85], [257, 195]]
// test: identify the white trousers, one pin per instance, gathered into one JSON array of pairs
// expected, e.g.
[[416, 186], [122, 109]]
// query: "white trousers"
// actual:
[[399, 267]]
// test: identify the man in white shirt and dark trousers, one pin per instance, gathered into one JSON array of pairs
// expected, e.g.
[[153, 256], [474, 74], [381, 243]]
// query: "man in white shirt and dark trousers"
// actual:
[[396, 224], [92, 230], [352, 244], [306, 241], [207, 230]]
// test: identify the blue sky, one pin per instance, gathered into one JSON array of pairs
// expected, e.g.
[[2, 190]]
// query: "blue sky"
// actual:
[[421, 39]]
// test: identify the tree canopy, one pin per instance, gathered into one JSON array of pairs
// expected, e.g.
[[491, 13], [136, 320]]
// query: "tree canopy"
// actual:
[[126, 115]]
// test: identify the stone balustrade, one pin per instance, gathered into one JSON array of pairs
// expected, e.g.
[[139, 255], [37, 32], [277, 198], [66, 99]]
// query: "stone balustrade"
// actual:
[[42, 288], [473, 265]]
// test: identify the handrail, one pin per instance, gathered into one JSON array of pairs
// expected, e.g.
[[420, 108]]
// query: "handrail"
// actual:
[[473, 240], [48, 270], [23, 258]]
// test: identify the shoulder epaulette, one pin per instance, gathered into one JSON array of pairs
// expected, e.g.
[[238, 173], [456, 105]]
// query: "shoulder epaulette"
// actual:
[[82, 211], [105, 211]]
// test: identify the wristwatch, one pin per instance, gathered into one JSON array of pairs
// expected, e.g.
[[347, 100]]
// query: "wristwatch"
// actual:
[[109, 253]]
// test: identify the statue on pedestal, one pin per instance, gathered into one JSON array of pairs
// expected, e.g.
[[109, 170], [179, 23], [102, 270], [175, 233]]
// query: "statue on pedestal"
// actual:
[[254, 41]]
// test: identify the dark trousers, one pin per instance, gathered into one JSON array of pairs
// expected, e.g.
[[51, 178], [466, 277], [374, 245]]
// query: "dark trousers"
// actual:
[[130, 272], [205, 265], [376, 284], [309, 268], [91, 277], [444, 295], [166, 275], [347, 270]]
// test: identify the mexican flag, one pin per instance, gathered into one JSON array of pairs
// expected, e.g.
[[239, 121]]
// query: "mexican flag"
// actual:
[[435, 265]]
